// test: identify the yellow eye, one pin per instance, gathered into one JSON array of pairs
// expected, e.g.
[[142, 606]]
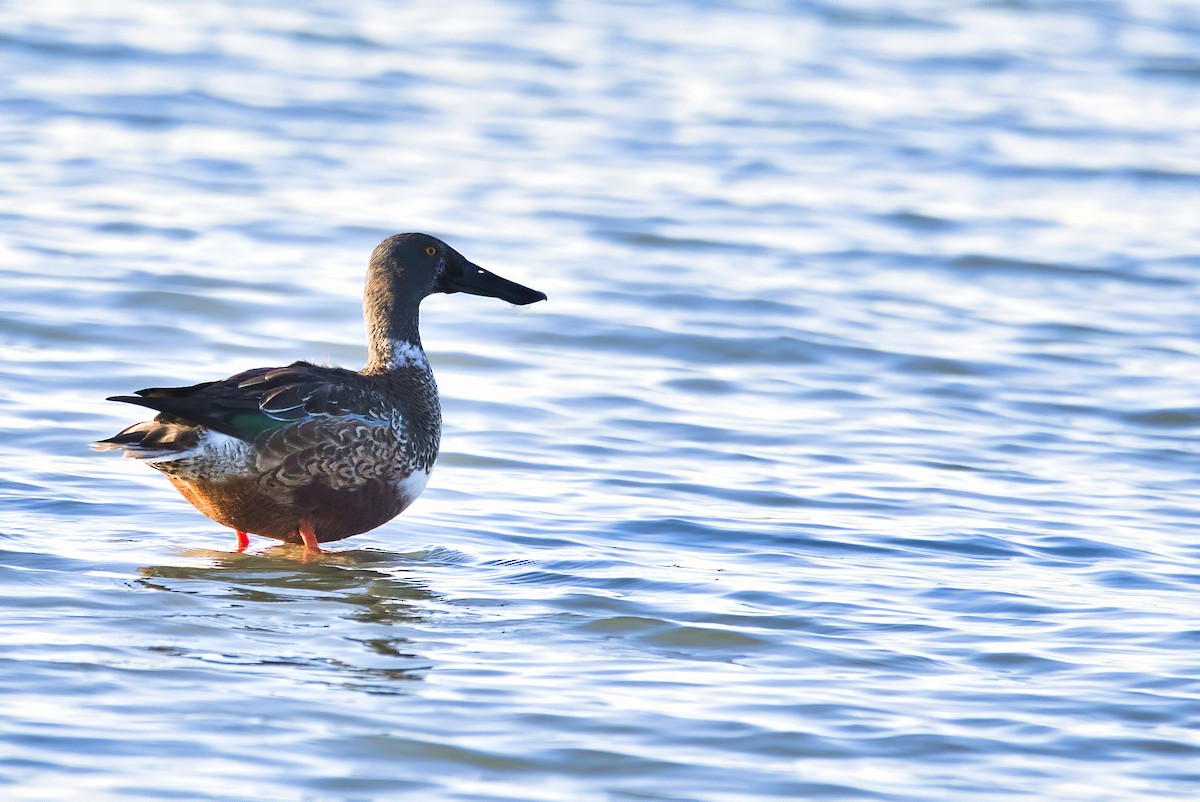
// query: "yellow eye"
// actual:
[[431, 250]]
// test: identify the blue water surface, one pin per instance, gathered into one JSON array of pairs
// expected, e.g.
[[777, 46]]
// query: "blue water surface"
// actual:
[[853, 456]]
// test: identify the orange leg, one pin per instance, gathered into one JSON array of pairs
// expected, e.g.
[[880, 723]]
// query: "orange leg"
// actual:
[[310, 538], [243, 540]]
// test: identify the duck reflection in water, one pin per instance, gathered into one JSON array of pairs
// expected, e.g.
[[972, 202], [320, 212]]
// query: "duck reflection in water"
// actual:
[[282, 588]]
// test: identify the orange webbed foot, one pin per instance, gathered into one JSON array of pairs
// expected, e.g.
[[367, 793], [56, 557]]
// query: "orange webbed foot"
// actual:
[[310, 538]]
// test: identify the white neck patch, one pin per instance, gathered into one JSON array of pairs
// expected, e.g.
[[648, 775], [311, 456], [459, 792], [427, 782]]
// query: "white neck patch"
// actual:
[[403, 354]]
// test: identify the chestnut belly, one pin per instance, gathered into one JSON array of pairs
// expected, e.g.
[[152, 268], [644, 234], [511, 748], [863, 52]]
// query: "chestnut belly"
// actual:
[[332, 513]]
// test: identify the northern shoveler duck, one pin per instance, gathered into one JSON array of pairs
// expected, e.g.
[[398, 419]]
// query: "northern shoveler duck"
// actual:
[[309, 454]]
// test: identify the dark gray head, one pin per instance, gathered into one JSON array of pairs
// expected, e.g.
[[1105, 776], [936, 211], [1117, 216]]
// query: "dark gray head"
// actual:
[[406, 269], [414, 266]]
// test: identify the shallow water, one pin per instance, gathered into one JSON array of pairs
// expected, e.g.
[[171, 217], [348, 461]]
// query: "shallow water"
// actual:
[[852, 457]]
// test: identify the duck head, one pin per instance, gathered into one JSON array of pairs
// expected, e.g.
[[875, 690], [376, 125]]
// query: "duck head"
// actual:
[[406, 269], [412, 267]]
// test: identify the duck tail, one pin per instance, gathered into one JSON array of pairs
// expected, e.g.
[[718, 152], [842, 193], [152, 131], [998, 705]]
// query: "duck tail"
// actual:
[[153, 441]]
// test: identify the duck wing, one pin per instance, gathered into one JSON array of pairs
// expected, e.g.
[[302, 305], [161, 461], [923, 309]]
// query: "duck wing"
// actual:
[[251, 403]]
